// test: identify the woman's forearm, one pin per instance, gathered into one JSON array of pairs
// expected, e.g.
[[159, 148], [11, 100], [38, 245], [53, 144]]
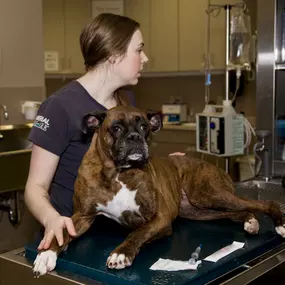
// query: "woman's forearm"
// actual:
[[37, 200]]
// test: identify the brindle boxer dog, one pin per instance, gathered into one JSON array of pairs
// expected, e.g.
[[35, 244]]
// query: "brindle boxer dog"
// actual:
[[117, 178]]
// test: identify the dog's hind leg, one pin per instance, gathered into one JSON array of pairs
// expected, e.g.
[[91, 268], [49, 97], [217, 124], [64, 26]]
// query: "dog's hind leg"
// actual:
[[251, 224], [46, 259], [228, 202]]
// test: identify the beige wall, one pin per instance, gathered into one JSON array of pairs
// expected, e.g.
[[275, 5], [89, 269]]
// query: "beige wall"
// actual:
[[153, 92], [12, 98]]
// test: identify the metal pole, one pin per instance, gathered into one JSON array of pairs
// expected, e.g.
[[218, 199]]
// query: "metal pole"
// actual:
[[207, 57], [227, 165], [228, 13]]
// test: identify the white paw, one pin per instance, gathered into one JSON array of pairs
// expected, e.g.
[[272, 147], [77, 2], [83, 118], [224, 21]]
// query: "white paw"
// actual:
[[44, 262], [116, 261], [251, 226], [281, 230]]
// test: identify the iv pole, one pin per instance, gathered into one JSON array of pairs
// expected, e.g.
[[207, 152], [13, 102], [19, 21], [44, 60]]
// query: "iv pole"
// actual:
[[228, 18], [227, 7]]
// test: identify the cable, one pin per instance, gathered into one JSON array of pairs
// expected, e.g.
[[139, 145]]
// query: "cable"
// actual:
[[238, 74], [248, 128], [249, 131]]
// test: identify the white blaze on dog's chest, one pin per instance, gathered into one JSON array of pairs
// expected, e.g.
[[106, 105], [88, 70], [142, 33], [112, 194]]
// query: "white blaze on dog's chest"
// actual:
[[124, 200]]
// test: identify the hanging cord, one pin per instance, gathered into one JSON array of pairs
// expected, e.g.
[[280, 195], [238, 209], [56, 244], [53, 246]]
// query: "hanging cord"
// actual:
[[248, 128]]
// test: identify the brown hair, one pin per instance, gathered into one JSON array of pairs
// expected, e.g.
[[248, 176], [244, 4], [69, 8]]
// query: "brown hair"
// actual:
[[108, 34]]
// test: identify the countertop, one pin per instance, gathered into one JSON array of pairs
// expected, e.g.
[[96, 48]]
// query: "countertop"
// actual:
[[15, 126], [180, 127]]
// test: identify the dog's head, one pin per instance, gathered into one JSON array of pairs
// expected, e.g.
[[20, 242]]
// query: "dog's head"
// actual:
[[123, 133]]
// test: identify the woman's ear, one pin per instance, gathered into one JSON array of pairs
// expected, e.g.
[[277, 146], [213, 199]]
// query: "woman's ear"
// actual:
[[115, 58], [155, 120], [92, 121]]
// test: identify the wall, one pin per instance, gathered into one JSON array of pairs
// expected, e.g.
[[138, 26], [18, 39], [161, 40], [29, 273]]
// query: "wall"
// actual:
[[153, 92], [21, 56], [12, 98], [21, 79]]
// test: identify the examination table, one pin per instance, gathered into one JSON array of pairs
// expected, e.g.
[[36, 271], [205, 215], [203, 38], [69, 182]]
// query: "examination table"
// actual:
[[84, 262]]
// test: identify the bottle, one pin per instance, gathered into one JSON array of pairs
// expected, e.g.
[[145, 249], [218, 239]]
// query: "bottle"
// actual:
[[240, 40]]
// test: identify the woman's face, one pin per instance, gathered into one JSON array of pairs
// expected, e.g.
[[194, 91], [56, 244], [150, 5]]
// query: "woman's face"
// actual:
[[129, 66]]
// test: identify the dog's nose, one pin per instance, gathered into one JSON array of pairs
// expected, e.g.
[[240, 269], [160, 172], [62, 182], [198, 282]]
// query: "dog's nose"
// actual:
[[134, 137]]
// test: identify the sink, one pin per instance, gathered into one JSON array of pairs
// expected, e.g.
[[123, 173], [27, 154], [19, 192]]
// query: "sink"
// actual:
[[15, 153], [15, 138], [261, 190]]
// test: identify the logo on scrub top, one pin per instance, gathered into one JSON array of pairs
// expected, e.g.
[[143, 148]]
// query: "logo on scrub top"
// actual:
[[41, 123]]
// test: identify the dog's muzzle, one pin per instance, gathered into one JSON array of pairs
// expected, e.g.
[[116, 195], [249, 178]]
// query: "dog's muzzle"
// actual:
[[132, 149]]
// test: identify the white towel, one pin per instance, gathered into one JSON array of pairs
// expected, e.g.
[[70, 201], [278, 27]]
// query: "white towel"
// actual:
[[214, 257], [174, 265]]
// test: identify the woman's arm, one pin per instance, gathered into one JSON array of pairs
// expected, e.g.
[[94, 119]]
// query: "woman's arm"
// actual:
[[42, 168]]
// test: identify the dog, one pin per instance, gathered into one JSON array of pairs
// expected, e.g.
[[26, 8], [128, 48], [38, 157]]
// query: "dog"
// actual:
[[118, 178]]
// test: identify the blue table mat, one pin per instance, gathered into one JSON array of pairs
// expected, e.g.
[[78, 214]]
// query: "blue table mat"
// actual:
[[87, 255]]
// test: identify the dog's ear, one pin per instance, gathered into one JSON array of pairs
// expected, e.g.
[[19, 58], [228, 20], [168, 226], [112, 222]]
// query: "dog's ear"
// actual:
[[155, 120], [92, 121]]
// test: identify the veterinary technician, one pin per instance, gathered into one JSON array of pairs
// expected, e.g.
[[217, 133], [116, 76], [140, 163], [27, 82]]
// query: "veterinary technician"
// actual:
[[112, 49]]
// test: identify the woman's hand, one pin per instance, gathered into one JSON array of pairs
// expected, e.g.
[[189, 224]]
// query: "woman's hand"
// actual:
[[177, 153], [54, 227]]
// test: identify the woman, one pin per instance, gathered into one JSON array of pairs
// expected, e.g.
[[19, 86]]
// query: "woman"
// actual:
[[112, 48]]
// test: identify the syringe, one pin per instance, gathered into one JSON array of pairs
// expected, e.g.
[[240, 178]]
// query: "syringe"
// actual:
[[195, 255]]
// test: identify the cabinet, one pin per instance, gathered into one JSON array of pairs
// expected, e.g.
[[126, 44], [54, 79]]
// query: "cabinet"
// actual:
[[139, 10], [21, 44], [218, 35], [163, 36], [63, 23], [169, 141], [193, 25], [174, 32], [159, 25], [192, 34]]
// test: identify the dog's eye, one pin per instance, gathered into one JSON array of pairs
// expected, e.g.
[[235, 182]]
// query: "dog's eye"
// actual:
[[116, 129], [143, 127]]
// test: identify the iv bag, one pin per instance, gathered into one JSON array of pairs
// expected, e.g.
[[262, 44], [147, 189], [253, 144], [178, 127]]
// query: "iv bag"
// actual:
[[240, 38]]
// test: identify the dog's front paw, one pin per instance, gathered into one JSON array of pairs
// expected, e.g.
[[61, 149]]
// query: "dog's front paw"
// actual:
[[118, 261], [281, 230], [251, 226], [44, 262]]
